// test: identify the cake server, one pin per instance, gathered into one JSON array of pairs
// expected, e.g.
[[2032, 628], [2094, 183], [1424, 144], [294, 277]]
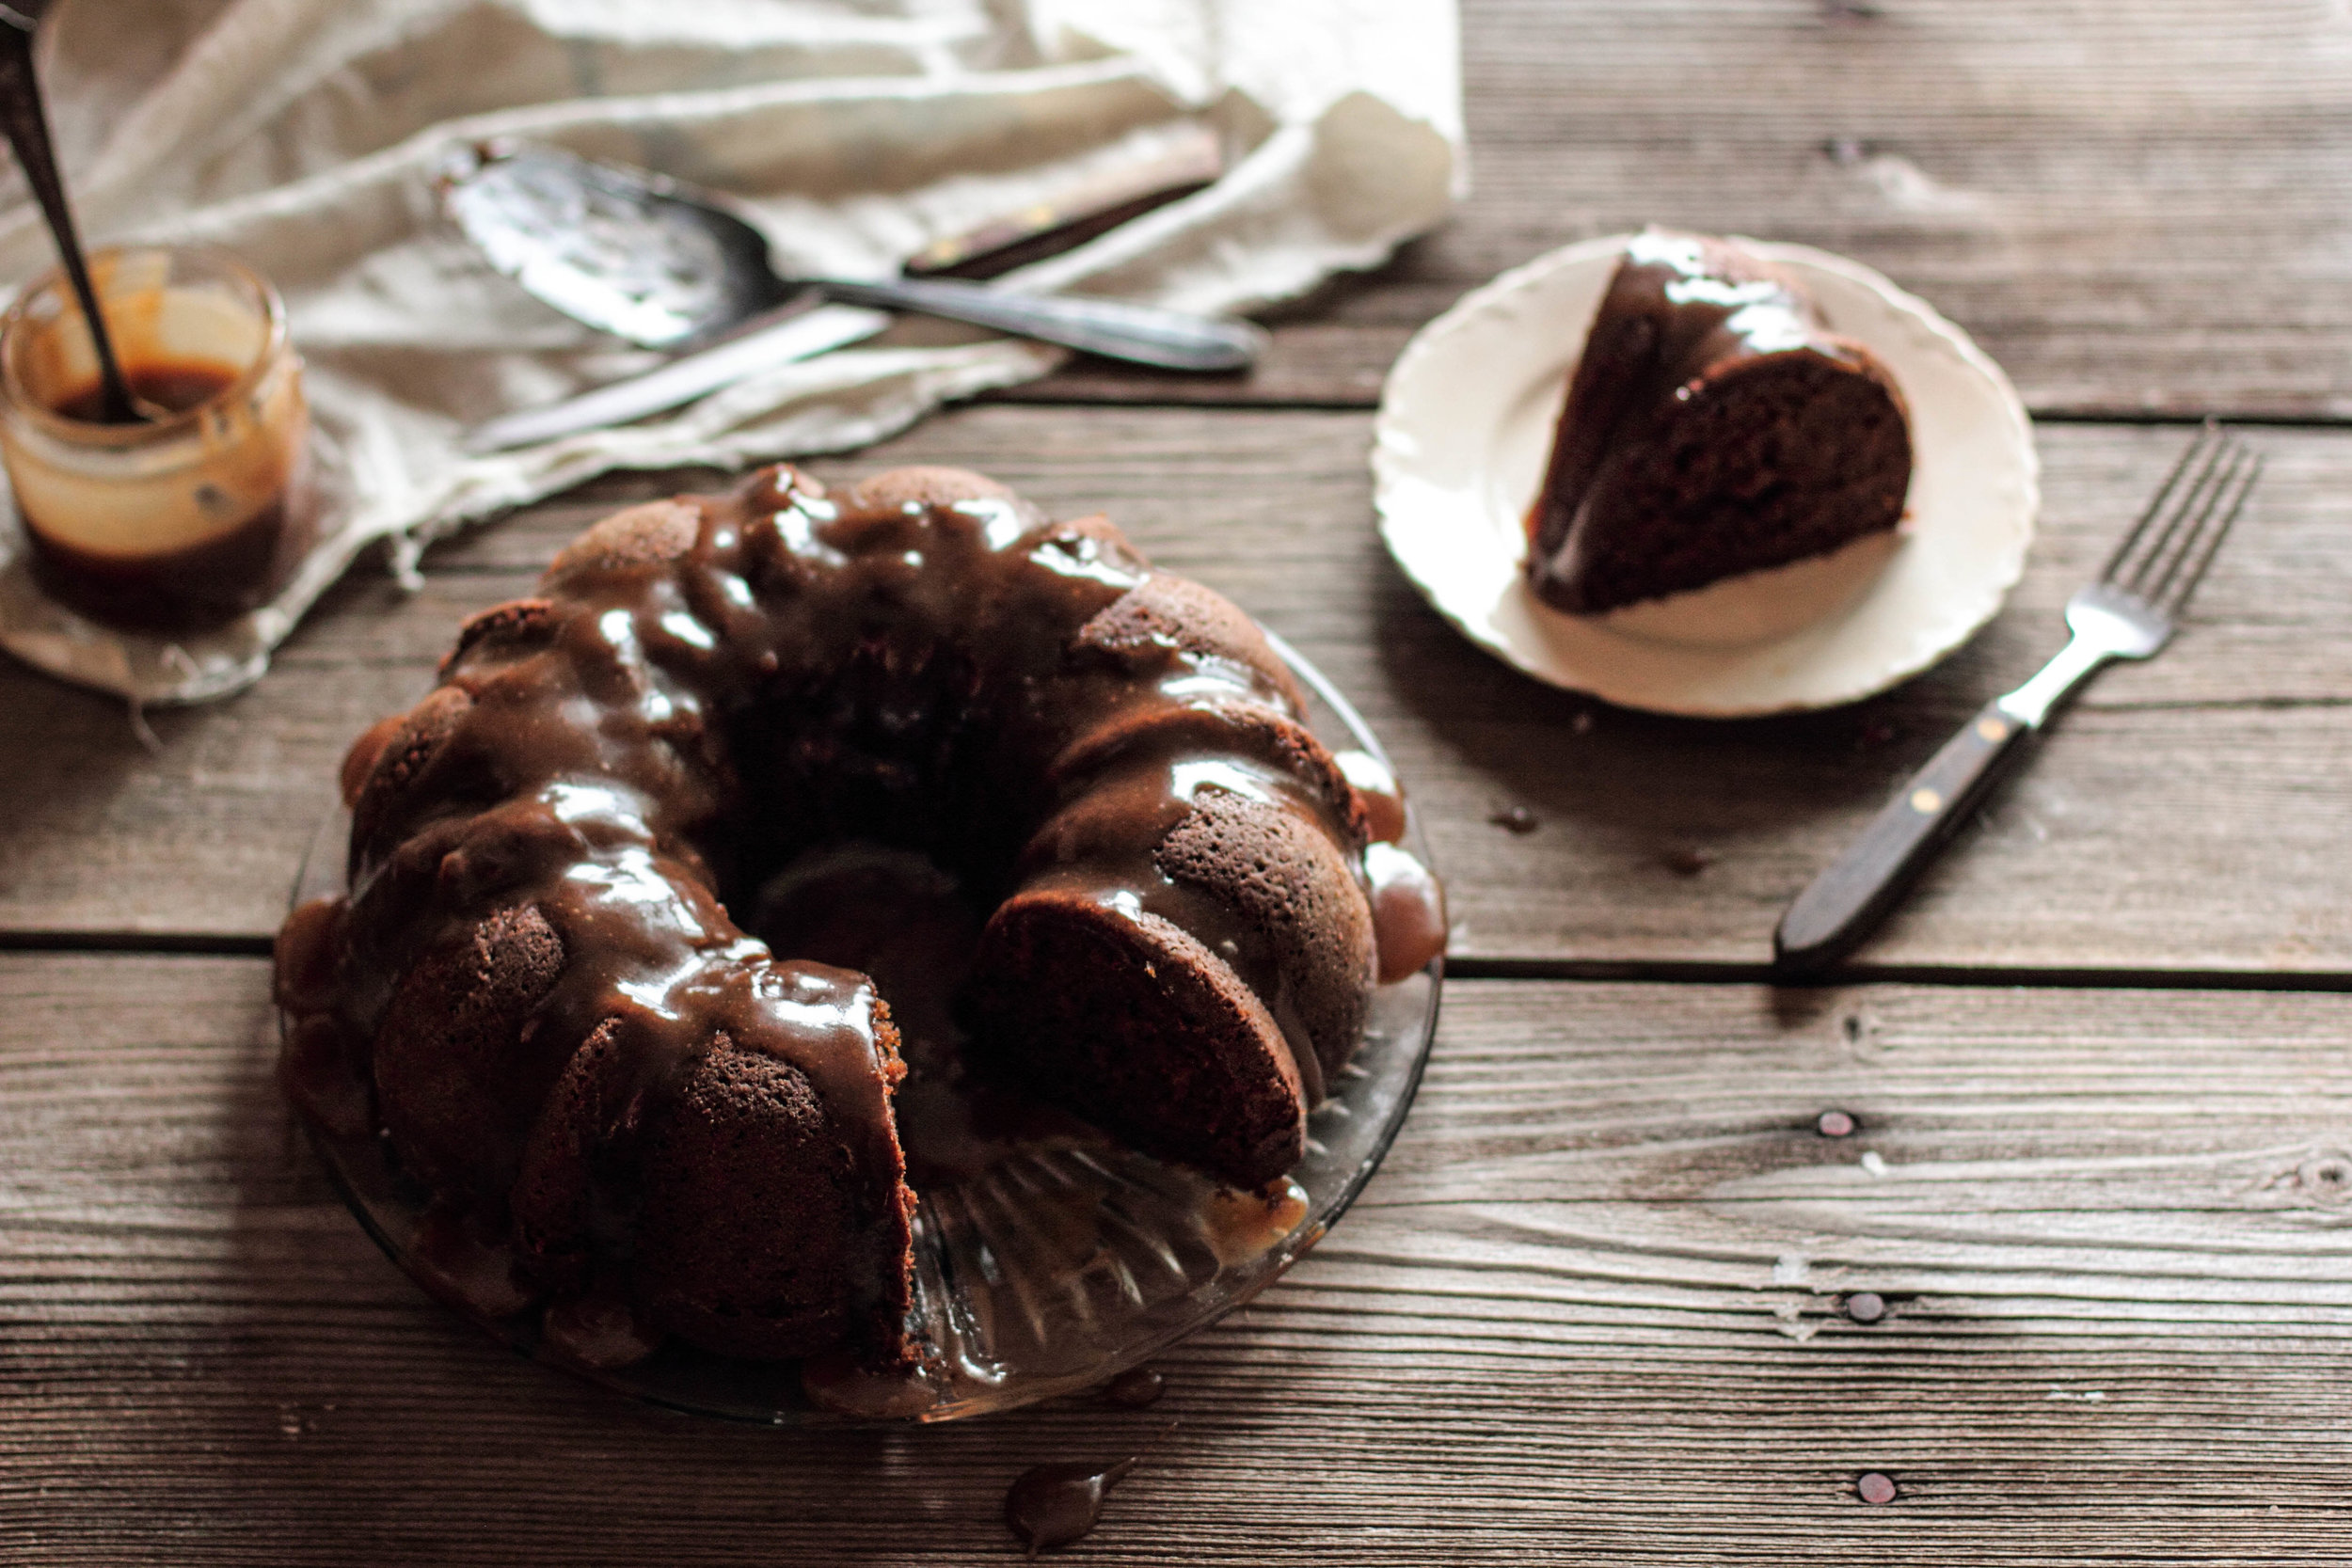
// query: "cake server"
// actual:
[[661, 264], [633, 254], [2131, 611]]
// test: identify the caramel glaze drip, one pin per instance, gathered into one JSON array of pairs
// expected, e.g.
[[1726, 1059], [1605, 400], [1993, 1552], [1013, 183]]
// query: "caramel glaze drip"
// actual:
[[1136, 1388], [810, 667], [1051, 1505], [1408, 921], [1407, 912], [1680, 309]]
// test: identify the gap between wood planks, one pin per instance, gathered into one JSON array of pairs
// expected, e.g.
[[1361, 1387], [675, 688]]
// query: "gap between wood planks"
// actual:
[[1109, 387], [1694, 972]]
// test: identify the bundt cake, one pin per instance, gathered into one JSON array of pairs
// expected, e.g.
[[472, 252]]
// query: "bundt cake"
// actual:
[[1713, 427], [534, 993]]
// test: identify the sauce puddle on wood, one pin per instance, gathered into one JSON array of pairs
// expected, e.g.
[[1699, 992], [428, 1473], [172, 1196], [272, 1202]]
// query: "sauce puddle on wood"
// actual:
[[1051, 1505]]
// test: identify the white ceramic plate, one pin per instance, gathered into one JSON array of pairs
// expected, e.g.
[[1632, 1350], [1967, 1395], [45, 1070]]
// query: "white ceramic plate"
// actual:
[[1466, 424]]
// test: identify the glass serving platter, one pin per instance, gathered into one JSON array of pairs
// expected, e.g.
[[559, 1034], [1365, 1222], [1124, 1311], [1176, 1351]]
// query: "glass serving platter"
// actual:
[[1054, 1264]]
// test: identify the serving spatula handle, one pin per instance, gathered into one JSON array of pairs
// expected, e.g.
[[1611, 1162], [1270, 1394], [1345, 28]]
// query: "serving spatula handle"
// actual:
[[1846, 901]]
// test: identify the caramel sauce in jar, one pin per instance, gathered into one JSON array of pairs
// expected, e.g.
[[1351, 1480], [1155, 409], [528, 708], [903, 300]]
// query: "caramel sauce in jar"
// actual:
[[198, 511], [172, 385]]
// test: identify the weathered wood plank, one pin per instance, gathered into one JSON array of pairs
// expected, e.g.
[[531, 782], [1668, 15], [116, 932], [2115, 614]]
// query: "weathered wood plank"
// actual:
[[2141, 206], [2186, 816], [1589, 1311]]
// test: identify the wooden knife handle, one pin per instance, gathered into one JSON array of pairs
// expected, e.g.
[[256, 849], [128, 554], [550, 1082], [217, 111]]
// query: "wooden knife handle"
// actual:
[[1845, 902]]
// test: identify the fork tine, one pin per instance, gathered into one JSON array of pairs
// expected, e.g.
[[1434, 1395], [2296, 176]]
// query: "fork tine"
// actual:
[[2154, 561], [2177, 598], [2195, 509], [2157, 503]]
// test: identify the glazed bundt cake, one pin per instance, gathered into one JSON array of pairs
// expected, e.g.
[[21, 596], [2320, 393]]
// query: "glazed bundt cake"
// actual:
[[1713, 427], [535, 992]]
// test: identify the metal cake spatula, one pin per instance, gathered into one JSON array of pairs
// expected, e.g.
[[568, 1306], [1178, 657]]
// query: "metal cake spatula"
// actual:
[[661, 264]]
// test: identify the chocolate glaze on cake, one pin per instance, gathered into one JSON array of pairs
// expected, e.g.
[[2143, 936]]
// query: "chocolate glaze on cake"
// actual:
[[569, 1041], [1713, 427]]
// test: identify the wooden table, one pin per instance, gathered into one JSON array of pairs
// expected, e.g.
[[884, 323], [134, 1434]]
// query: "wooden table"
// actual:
[[1593, 1308]]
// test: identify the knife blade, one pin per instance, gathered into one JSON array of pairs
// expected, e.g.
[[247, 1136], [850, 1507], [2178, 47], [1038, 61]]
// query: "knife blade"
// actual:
[[801, 335], [618, 403]]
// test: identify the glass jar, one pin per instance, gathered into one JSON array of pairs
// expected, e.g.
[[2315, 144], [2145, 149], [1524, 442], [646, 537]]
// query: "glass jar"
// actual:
[[199, 510]]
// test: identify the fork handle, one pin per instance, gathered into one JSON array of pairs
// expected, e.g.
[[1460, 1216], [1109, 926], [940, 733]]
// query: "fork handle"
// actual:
[[1842, 905]]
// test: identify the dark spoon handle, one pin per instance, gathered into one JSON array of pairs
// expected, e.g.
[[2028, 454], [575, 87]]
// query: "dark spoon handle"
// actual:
[[1844, 902], [27, 128]]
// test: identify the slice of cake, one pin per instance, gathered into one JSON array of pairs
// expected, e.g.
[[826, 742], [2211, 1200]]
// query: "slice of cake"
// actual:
[[1713, 427]]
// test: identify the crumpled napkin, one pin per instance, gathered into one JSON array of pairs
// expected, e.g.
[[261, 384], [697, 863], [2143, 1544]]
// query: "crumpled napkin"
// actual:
[[304, 135]]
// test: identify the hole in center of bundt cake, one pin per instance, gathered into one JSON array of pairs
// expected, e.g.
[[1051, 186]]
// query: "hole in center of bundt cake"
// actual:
[[899, 916]]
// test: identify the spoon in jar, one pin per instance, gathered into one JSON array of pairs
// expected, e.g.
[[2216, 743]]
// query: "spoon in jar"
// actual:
[[28, 126], [664, 264]]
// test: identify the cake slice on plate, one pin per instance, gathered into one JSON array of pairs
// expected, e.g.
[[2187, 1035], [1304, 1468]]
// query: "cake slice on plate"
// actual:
[[1713, 427]]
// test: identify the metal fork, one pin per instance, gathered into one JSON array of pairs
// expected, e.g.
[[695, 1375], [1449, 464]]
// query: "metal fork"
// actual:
[[2131, 611]]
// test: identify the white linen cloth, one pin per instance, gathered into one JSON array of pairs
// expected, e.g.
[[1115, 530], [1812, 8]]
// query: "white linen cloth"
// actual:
[[304, 135]]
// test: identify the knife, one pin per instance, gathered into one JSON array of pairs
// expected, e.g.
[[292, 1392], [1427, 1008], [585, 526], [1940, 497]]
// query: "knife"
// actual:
[[803, 333]]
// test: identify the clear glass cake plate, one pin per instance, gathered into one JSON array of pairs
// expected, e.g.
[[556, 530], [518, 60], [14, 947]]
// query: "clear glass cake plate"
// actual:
[[1047, 1268]]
